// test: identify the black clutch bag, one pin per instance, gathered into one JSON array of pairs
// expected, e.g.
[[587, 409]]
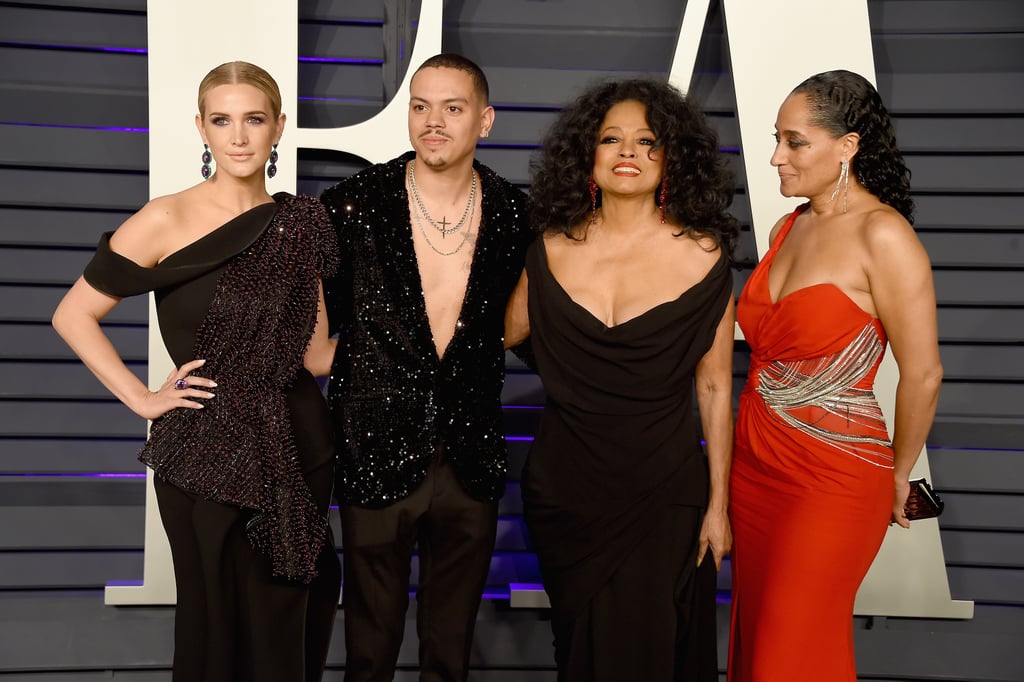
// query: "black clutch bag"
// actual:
[[923, 502]]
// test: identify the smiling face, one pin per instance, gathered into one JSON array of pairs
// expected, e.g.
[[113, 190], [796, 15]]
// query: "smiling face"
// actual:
[[807, 156], [447, 116], [238, 124], [626, 161]]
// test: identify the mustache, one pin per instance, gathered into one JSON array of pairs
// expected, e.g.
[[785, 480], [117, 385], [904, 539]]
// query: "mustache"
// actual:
[[437, 133]]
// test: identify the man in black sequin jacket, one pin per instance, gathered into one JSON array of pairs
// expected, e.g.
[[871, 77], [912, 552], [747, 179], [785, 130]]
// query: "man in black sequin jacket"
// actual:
[[432, 245]]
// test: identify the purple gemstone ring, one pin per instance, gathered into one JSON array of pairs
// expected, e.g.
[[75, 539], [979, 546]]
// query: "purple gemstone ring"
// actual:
[[181, 384]]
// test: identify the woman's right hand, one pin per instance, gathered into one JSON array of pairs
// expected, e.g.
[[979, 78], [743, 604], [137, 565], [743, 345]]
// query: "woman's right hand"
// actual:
[[179, 390]]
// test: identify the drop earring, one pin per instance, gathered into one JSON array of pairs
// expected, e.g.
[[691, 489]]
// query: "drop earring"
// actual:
[[206, 171], [662, 195], [272, 168], [843, 183], [593, 200]]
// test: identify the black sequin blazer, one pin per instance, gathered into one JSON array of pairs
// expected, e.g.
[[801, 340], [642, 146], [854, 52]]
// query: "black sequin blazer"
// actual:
[[391, 398]]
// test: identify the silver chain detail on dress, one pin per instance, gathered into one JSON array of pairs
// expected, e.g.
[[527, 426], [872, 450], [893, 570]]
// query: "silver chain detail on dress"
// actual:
[[829, 383], [443, 227]]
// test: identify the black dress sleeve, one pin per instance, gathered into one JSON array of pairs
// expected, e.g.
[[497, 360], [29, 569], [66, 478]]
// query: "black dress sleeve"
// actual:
[[113, 274], [326, 238]]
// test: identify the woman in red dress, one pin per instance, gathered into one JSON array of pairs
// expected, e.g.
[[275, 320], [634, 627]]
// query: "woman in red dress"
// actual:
[[815, 478]]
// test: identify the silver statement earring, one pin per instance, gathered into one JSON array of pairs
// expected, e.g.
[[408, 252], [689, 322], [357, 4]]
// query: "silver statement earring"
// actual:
[[272, 168], [842, 184], [206, 171]]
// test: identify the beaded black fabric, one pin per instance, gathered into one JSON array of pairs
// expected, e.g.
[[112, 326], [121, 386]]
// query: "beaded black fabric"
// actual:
[[240, 449], [391, 398]]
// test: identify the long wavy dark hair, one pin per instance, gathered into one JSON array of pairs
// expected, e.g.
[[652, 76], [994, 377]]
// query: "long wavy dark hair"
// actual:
[[699, 185], [845, 102]]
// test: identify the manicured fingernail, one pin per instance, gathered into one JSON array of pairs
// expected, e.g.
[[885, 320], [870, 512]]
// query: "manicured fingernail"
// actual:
[[213, 384]]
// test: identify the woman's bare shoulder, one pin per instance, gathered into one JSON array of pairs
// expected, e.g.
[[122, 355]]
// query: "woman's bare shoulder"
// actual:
[[142, 237], [885, 228]]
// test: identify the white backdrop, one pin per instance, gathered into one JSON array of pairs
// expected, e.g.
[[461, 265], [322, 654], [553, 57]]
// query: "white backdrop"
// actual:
[[774, 45]]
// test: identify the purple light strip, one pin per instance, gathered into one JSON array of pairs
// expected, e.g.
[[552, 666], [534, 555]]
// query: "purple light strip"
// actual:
[[57, 125], [78, 48], [964, 447], [347, 22], [108, 474], [143, 50], [525, 586], [721, 596], [496, 593], [332, 99], [341, 60]]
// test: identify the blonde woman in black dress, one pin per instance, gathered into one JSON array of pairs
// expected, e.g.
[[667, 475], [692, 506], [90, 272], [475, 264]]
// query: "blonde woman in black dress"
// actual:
[[241, 443]]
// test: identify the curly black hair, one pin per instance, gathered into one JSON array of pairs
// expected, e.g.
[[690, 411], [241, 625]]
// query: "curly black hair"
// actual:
[[845, 102], [700, 186]]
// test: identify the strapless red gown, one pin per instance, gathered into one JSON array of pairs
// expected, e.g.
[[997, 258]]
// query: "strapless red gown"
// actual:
[[811, 484]]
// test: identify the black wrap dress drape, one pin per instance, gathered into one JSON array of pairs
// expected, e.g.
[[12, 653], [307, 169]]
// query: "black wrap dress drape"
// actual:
[[616, 482]]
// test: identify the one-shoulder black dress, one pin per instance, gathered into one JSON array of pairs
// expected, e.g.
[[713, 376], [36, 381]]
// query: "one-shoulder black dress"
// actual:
[[244, 484], [616, 482]]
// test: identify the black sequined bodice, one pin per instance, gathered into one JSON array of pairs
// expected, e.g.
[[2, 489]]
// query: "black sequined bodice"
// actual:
[[243, 298], [391, 398]]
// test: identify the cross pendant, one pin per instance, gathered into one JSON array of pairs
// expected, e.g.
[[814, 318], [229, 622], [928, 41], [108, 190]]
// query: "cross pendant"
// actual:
[[444, 227]]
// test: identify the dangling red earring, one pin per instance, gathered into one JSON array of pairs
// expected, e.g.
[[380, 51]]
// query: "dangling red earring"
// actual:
[[661, 198], [593, 200]]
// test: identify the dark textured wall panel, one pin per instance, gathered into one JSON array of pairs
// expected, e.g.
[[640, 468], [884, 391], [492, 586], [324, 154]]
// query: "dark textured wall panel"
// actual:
[[39, 342], [70, 455], [944, 16], [73, 189], [46, 226], [962, 212], [67, 569], [975, 248], [1000, 363], [981, 324], [69, 419], [56, 380], [951, 71], [41, 266], [41, 26], [74, 148], [37, 303], [960, 134], [994, 471]]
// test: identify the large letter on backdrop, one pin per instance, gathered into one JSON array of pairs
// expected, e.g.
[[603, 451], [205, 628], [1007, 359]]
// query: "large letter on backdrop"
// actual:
[[768, 61], [179, 57]]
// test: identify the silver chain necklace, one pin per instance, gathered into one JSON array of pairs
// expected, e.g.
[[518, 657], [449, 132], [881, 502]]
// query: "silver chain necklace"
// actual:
[[419, 224], [443, 228]]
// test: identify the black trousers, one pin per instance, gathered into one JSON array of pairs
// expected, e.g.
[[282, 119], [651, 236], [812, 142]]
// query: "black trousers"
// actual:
[[234, 620], [456, 535]]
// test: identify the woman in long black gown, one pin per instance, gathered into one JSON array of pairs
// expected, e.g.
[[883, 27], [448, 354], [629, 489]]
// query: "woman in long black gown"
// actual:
[[243, 479], [627, 298]]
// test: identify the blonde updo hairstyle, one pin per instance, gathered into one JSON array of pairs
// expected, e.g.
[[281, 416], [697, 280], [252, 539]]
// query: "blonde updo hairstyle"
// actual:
[[235, 73]]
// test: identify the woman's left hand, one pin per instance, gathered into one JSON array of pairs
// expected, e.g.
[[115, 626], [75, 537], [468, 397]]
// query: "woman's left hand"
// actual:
[[716, 534], [899, 505]]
